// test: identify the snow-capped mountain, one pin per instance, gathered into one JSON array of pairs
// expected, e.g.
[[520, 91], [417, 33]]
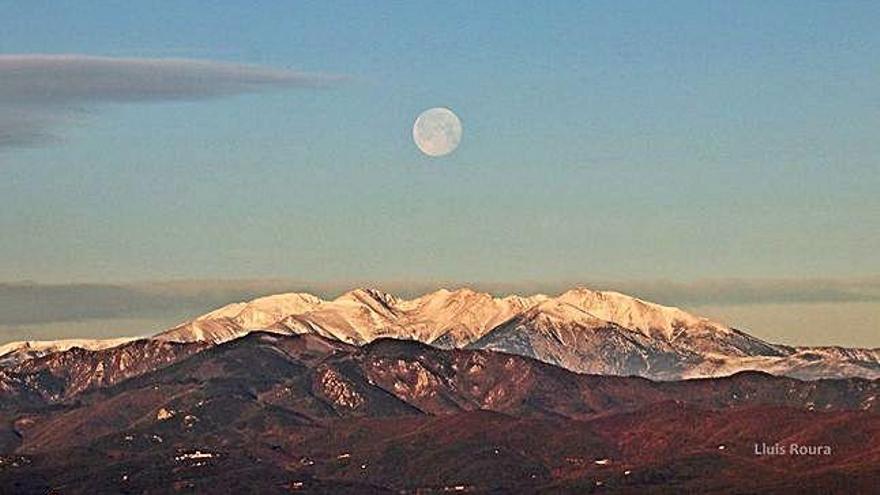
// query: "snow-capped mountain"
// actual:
[[582, 330], [443, 318]]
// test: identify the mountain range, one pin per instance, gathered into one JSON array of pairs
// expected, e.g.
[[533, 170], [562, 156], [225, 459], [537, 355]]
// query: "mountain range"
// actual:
[[270, 413], [453, 391], [581, 330]]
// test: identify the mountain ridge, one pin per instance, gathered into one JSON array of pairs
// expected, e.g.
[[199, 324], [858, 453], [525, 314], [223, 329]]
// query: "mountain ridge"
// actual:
[[580, 329], [272, 413], [627, 335]]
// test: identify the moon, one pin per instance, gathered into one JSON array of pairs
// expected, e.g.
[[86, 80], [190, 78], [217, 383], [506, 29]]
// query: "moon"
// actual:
[[437, 131]]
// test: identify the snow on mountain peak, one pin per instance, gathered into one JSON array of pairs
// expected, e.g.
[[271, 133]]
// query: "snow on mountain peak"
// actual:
[[653, 320], [559, 311], [444, 317]]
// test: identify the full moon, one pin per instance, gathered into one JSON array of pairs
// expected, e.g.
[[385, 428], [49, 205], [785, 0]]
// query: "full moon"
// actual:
[[437, 131]]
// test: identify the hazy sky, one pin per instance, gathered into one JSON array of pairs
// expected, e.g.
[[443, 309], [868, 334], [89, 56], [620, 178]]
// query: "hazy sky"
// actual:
[[603, 140]]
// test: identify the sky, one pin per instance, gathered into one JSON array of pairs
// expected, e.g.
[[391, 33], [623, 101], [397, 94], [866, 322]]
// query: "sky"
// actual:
[[625, 141]]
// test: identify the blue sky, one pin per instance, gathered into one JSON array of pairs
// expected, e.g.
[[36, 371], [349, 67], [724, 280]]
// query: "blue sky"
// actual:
[[603, 140]]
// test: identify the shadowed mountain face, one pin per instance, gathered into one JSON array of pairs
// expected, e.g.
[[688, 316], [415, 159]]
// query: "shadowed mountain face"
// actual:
[[272, 413], [61, 375]]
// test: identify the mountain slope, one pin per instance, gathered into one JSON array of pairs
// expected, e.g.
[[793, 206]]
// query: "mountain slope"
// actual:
[[567, 336], [270, 414], [17, 352], [669, 324], [61, 375]]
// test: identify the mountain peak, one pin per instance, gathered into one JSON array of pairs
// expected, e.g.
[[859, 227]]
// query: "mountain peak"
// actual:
[[653, 320], [446, 316], [444, 293], [369, 293], [554, 309]]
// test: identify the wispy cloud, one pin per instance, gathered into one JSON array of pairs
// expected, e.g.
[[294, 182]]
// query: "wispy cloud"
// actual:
[[38, 93]]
